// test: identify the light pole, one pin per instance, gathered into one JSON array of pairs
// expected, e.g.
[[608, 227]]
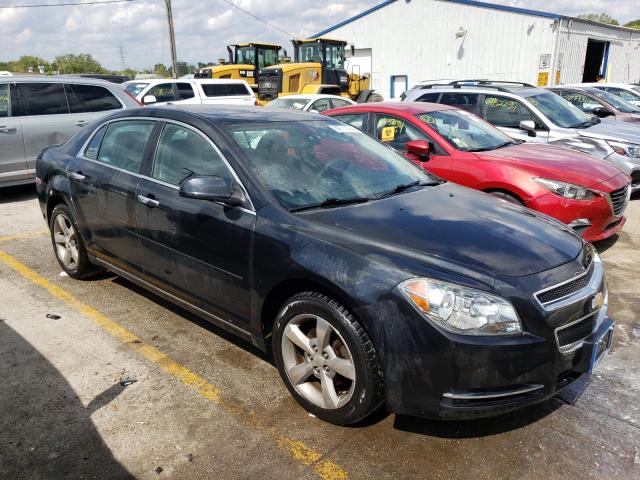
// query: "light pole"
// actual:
[[172, 40]]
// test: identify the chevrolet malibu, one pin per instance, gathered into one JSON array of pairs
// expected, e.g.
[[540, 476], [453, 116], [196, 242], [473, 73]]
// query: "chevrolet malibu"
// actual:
[[584, 192], [371, 281]]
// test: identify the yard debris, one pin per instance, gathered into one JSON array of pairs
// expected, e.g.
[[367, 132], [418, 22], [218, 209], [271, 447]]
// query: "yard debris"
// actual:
[[126, 381], [158, 470], [190, 457], [53, 316], [63, 274]]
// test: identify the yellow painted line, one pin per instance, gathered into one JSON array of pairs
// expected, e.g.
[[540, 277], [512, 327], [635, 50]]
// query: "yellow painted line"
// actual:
[[20, 236], [324, 468]]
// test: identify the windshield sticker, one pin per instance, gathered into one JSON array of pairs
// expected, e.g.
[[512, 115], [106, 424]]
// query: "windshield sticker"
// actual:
[[344, 128], [388, 134], [509, 105], [459, 142], [428, 119]]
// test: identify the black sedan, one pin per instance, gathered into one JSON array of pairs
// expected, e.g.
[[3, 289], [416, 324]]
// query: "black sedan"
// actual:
[[370, 280]]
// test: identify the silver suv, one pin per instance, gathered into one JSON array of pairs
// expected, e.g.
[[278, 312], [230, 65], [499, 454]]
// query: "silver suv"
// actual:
[[535, 115], [39, 111]]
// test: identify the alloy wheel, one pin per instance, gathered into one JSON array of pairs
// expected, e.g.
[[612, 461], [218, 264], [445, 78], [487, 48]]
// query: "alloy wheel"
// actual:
[[66, 241]]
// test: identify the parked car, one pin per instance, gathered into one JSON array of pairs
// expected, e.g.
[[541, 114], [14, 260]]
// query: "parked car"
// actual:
[[369, 279], [599, 103], [587, 194], [38, 111], [314, 103], [630, 93], [191, 91], [532, 114]]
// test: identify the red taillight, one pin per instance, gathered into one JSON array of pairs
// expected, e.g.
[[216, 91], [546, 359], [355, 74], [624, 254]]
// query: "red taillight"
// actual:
[[137, 101]]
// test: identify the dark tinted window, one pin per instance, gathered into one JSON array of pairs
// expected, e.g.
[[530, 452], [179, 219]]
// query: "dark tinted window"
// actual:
[[185, 90], [94, 145], [355, 120], [429, 97], [5, 101], [507, 112], [183, 153], [396, 132], [43, 99], [163, 92], [466, 101], [224, 89], [91, 98], [124, 143]]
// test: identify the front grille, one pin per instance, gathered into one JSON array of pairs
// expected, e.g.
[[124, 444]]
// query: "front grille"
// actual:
[[619, 199], [269, 84], [567, 288], [570, 336]]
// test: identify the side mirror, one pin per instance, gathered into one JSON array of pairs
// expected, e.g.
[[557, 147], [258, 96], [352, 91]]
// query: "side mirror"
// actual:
[[149, 99], [528, 126], [420, 148], [602, 112], [214, 189]]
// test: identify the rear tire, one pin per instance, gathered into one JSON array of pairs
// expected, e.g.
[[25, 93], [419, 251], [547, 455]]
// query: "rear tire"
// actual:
[[326, 359], [375, 97], [68, 245]]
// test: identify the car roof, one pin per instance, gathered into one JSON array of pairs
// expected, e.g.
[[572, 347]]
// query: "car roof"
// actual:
[[312, 96], [57, 79], [231, 114], [197, 80], [601, 84], [498, 88], [410, 108]]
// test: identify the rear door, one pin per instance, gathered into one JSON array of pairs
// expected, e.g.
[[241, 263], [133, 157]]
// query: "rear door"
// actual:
[[13, 164], [506, 113], [87, 103], [197, 250]]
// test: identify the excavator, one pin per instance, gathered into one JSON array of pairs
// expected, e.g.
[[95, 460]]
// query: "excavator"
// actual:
[[245, 59], [318, 67]]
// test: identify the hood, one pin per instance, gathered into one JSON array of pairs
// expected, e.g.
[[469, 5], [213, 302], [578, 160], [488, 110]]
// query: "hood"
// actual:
[[556, 163], [450, 224], [609, 129]]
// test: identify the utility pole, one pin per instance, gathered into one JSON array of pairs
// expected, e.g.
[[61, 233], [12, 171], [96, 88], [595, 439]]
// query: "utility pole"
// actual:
[[172, 40]]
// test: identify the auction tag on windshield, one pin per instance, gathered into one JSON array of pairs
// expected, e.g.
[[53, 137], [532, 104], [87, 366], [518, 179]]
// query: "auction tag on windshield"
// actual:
[[344, 128], [388, 134]]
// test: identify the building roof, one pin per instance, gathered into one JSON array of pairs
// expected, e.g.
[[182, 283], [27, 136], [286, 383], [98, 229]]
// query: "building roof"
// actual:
[[475, 3]]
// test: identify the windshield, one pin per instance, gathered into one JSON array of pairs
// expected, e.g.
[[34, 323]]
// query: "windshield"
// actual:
[[245, 56], [310, 52], [559, 110], [334, 56], [309, 162], [135, 88], [290, 103], [267, 57], [611, 99], [464, 131]]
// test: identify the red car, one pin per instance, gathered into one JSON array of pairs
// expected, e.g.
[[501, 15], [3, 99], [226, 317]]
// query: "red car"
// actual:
[[587, 193]]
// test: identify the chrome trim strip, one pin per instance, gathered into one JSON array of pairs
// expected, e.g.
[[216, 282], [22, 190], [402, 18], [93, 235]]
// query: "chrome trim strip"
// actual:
[[572, 347], [487, 395]]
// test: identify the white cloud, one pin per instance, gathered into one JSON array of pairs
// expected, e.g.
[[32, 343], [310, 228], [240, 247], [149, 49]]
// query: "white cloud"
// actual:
[[203, 29]]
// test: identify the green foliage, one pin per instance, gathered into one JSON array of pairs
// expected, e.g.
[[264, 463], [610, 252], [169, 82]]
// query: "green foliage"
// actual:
[[161, 70], [24, 63], [80, 63], [599, 17], [633, 24]]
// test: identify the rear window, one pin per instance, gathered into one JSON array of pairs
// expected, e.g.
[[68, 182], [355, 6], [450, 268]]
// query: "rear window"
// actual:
[[224, 89], [91, 98], [43, 99]]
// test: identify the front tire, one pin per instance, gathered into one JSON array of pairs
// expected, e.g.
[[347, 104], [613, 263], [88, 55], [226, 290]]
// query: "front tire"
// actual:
[[68, 244], [326, 359], [507, 197]]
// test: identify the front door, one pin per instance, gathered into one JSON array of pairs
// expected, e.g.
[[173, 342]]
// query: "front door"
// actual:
[[194, 249], [506, 113], [13, 165]]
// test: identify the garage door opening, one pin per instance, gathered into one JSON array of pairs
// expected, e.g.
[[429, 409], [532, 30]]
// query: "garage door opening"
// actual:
[[595, 60]]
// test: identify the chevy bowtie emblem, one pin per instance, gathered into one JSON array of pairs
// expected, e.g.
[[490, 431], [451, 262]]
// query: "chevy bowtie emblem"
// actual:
[[597, 301]]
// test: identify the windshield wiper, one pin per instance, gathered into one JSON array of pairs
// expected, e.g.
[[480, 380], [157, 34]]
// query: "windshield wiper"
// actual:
[[331, 202], [405, 186], [494, 147]]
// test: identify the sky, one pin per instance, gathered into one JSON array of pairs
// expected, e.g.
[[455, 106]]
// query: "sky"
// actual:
[[134, 34]]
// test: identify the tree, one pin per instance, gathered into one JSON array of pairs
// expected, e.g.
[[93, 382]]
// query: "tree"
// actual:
[[27, 62], [80, 63], [160, 70], [599, 17], [633, 24]]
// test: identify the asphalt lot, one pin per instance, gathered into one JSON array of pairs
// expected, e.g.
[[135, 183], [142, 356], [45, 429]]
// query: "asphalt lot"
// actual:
[[206, 405]]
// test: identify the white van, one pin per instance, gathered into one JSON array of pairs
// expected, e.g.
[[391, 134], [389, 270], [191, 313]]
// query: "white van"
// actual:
[[191, 91]]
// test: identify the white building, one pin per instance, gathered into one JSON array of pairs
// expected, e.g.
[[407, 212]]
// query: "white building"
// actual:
[[401, 42]]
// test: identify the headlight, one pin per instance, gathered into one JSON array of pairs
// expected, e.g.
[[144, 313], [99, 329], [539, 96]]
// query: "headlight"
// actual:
[[564, 189], [460, 309], [626, 149]]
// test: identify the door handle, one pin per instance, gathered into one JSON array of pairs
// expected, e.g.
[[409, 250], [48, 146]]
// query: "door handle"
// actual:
[[4, 129], [78, 176], [149, 202], [81, 123]]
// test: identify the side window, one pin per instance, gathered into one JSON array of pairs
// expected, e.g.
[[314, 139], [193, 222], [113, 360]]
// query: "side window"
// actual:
[[506, 112], [224, 89], [622, 93], [5, 101], [321, 105], [163, 92], [465, 101], [185, 90], [124, 143], [183, 153], [355, 120], [91, 98], [429, 97], [584, 103], [94, 145], [339, 103], [396, 132], [43, 99]]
